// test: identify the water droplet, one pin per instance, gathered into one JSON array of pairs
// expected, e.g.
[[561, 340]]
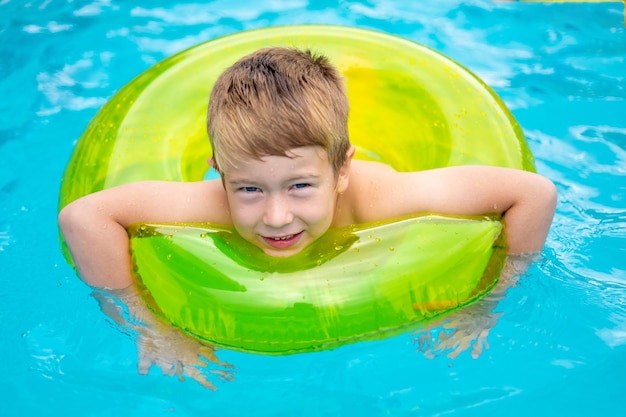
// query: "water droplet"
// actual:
[[391, 249]]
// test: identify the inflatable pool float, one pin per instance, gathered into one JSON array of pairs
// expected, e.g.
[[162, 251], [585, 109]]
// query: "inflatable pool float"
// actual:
[[411, 108]]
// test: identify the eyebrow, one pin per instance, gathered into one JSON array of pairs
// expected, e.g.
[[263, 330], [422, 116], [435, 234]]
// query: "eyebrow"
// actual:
[[307, 176]]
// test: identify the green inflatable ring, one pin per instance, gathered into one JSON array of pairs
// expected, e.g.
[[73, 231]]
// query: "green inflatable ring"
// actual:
[[411, 108]]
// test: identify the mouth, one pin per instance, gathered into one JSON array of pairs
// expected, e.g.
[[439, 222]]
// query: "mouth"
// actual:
[[284, 241]]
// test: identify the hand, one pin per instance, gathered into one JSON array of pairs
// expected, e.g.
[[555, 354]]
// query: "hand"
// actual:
[[176, 353], [457, 333], [159, 343]]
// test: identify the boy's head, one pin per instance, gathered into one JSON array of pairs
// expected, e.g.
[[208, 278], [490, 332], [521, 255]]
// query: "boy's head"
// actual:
[[275, 100]]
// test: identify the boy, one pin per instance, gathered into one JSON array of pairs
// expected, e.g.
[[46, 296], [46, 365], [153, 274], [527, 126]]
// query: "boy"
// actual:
[[277, 121]]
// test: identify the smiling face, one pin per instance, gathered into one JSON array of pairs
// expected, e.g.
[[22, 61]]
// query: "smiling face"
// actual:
[[283, 203]]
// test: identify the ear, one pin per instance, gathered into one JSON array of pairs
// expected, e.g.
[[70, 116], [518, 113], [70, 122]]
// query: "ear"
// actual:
[[344, 172], [213, 164]]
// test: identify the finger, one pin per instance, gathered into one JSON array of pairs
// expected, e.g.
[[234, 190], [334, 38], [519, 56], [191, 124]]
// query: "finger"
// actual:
[[179, 370], [201, 379], [420, 340], [208, 353], [144, 364], [424, 341], [477, 350], [225, 375], [441, 337], [203, 362], [481, 343], [463, 346]]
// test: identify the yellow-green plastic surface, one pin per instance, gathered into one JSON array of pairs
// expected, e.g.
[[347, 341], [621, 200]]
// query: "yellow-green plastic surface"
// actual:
[[411, 107]]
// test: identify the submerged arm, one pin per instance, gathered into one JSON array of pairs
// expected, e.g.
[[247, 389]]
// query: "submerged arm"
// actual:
[[159, 343], [469, 327]]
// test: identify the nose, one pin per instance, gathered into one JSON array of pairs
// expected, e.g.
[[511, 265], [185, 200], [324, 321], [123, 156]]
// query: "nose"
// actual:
[[277, 212]]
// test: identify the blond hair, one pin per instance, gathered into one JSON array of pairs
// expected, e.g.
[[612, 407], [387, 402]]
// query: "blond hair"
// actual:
[[274, 100]]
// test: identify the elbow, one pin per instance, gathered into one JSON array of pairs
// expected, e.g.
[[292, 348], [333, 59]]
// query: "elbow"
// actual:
[[75, 216], [67, 217], [527, 224], [545, 201], [549, 197]]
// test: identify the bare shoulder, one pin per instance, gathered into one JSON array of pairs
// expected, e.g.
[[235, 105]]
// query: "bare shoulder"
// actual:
[[369, 183]]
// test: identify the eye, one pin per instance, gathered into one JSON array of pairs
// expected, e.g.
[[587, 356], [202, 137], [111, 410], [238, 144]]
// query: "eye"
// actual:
[[250, 189], [300, 186]]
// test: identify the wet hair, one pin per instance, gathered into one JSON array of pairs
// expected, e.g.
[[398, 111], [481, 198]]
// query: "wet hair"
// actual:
[[274, 100]]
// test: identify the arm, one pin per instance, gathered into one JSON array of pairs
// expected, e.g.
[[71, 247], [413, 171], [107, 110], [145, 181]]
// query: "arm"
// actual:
[[526, 201], [94, 226]]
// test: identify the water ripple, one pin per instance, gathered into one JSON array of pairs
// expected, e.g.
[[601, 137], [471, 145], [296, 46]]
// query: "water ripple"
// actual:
[[5, 238], [604, 142], [68, 88]]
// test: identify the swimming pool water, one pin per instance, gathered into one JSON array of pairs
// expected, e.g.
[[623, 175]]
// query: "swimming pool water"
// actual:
[[559, 345]]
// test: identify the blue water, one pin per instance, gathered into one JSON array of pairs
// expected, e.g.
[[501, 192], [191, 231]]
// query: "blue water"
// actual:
[[559, 345]]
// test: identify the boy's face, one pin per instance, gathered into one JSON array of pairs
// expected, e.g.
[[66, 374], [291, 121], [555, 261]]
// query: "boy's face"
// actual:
[[283, 203]]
